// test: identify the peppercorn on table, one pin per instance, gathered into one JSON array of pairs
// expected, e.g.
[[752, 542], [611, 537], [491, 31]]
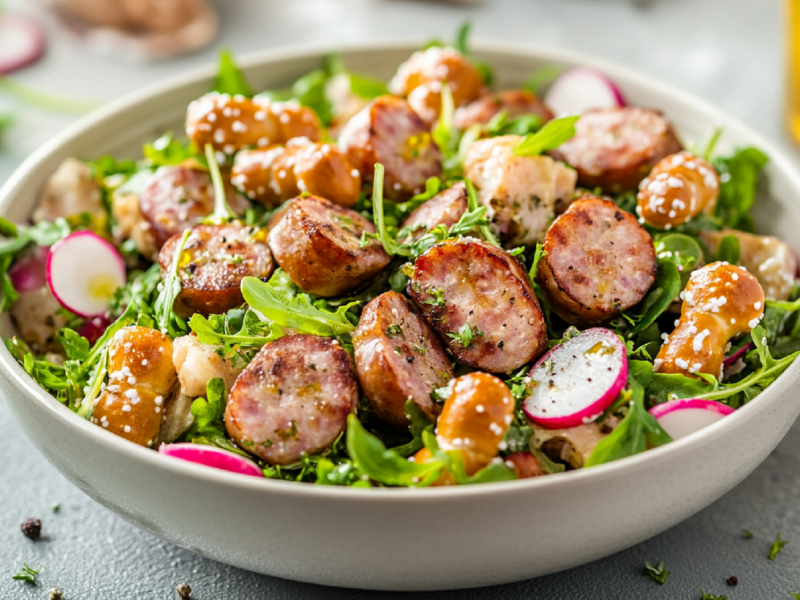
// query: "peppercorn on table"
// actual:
[[726, 50]]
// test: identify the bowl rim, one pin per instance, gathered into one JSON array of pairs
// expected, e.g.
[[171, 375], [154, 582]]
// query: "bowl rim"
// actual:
[[107, 441]]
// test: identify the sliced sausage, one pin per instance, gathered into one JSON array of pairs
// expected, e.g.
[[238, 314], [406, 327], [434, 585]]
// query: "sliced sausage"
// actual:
[[177, 197], [469, 286], [515, 103], [398, 358], [318, 244], [275, 174], [230, 124], [214, 261], [615, 148], [519, 192], [140, 377], [292, 399], [389, 132], [598, 262], [420, 78], [445, 208], [678, 189]]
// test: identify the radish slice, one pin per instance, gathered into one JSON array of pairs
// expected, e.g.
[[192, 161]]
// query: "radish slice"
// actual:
[[83, 272], [94, 328], [681, 417], [216, 458], [580, 89], [730, 360], [21, 41], [30, 274], [577, 380]]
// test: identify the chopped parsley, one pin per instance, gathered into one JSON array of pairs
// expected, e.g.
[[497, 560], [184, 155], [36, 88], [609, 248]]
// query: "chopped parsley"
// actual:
[[777, 546], [704, 595], [438, 297], [464, 335], [657, 573], [27, 574], [748, 534], [393, 330]]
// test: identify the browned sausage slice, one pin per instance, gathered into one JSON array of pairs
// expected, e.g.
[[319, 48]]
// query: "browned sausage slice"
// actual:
[[292, 399], [468, 286], [445, 208], [388, 131], [212, 265], [318, 244], [398, 358], [598, 262], [177, 197], [615, 148], [516, 103]]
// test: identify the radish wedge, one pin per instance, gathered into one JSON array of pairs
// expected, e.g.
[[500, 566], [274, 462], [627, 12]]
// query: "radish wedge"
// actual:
[[577, 380], [83, 272], [21, 41], [30, 273], [682, 417], [581, 89], [216, 458]]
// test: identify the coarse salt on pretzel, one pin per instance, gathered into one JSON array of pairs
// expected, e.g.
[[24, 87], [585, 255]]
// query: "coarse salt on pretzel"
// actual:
[[719, 302]]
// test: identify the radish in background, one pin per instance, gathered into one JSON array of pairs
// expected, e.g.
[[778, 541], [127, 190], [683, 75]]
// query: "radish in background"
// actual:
[[21, 41], [213, 457], [581, 89], [683, 417]]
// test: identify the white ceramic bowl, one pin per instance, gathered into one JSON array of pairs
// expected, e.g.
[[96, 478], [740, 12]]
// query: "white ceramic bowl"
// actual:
[[399, 539]]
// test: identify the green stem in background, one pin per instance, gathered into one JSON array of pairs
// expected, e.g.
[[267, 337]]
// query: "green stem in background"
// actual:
[[87, 405], [222, 212], [472, 199], [32, 97]]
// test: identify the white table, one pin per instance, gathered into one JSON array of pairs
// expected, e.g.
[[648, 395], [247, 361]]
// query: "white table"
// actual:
[[729, 51]]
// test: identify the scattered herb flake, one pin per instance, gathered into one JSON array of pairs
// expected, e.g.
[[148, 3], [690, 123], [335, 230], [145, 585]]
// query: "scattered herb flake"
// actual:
[[657, 573], [777, 546], [704, 595], [27, 574], [749, 535], [464, 335]]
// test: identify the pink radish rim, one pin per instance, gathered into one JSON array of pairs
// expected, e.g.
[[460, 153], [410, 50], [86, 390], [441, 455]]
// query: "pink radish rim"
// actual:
[[230, 462], [621, 101], [37, 43], [660, 410], [63, 241], [738, 354], [30, 274], [598, 406]]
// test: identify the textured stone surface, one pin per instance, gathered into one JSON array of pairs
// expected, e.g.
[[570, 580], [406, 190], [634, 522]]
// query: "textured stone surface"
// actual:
[[726, 50]]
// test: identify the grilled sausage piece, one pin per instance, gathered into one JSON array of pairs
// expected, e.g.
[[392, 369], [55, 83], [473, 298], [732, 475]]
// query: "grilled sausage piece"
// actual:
[[468, 287], [615, 148], [420, 78], [598, 262], [275, 174], [389, 132], [445, 208], [398, 358], [230, 123], [140, 377], [214, 260], [292, 399], [318, 244], [678, 189], [516, 103], [178, 197]]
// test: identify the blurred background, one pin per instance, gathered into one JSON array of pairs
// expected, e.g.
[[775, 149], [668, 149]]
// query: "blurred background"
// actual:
[[77, 54]]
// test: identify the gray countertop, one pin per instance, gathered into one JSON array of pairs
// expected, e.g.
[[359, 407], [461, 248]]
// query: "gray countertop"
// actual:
[[729, 51]]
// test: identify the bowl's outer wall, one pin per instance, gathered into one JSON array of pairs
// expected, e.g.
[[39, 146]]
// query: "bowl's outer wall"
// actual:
[[400, 539]]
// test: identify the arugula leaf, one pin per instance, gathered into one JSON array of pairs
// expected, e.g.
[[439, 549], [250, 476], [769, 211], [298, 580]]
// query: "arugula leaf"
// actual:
[[739, 175], [657, 573], [729, 250], [704, 595], [521, 126], [454, 465], [664, 290], [208, 412], [222, 210], [168, 321], [166, 151], [372, 459], [777, 546], [549, 137], [239, 338], [309, 91], [230, 79], [297, 311], [541, 78], [446, 135], [390, 245], [461, 43], [27, 574], [681, 249], [367, 87], [633, 435], [473, 204], [75, 346]]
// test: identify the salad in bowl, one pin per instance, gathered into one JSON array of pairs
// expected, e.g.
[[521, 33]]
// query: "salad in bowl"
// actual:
[[420, 282]]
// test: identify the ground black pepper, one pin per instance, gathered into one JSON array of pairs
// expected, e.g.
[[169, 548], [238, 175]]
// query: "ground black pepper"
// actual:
[[32, 529], [733, 581]]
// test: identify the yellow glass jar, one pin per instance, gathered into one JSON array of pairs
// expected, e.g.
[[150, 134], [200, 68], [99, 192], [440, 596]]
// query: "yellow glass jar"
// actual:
[[793, 69]]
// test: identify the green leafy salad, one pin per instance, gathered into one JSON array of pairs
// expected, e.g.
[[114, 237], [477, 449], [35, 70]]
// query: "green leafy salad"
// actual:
[[422, 282]]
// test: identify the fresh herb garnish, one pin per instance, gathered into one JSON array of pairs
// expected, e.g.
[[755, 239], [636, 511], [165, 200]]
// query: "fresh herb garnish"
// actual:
[[464, 335], [230, 79], [657, 573], [704, 595], [168, 322], [739, 175], [222, 211], [748, 534], [777, 546], [27, 574]]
